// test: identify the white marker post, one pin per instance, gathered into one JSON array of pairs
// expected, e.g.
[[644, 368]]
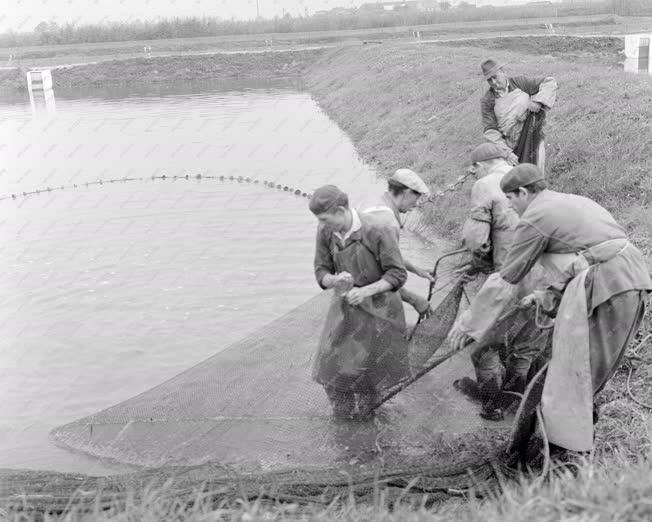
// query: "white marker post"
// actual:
[[41, 94]]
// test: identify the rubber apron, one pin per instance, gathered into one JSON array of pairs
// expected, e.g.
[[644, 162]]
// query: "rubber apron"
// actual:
[[362, 348]]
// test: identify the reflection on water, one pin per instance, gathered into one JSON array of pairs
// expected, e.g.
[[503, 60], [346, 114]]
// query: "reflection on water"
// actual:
[[110, 290]]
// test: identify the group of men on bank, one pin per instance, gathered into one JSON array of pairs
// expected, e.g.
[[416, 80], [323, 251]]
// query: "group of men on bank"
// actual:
[[561, 252]]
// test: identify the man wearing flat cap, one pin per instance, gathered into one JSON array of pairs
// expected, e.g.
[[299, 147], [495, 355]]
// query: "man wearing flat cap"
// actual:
[[362, 348], [404, 189], [601, 283], [505, 108], [487, 233]]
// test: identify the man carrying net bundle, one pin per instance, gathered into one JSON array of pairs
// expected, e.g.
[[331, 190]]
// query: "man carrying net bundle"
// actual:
[[362, 348], [512, 115], [598, 297], [487, 233], [404, 190]]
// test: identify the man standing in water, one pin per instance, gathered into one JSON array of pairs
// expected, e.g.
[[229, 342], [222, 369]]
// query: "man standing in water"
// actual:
[[602, 282], [362, 348], [404, 190], [505, 108]]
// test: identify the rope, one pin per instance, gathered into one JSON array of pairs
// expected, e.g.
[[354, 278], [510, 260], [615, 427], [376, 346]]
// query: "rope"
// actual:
[[631, 395], [163, 177], [546, 447], [631, 370], [449, 188]]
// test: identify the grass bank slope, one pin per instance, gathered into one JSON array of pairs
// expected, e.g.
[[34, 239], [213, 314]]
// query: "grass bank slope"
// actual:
[[417, 106]]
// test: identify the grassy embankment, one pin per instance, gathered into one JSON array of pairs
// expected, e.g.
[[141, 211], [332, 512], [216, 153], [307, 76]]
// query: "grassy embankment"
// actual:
[[599, 145], [418, 107]]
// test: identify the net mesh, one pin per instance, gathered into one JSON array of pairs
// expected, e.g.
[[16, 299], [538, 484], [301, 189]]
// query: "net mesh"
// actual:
[[254, 410]]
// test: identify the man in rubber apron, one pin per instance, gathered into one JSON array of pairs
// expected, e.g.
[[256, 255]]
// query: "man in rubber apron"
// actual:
[[362, 348], [506, 104], [488, 233], [601, 284], [405, 188]]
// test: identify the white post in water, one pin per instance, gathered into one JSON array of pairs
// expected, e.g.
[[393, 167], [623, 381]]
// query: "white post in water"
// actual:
[[638, 53], [39, 85]]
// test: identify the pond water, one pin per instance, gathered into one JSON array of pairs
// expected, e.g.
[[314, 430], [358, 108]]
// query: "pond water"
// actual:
[[108, 290]]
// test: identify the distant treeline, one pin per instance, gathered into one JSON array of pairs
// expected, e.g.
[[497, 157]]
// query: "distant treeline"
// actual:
[[49, 33]]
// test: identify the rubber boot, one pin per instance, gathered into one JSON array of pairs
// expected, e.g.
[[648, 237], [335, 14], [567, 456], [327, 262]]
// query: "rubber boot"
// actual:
[[342, 402], [490, 396], [366, 401]]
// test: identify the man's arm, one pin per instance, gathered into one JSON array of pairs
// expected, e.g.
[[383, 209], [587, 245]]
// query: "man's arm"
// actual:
[[323, 262], [489, 121], [526, 249], [541, 90], [385, 243], [390, 258]]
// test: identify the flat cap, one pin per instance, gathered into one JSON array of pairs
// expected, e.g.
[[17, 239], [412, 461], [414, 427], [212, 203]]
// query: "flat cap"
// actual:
[[489, 67], [489, 151], [411, 180], [327, 197], [520, 176]]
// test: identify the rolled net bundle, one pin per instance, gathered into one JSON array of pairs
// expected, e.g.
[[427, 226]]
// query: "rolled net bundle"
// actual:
[[253, 411]]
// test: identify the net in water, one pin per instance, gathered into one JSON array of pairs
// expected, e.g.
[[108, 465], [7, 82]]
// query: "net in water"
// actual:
[[255, 410]]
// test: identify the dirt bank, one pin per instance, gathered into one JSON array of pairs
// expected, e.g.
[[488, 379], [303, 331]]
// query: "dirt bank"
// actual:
[[173, 69]]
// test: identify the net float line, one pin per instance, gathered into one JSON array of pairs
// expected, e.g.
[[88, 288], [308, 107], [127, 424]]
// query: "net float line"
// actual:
[[163, 177]]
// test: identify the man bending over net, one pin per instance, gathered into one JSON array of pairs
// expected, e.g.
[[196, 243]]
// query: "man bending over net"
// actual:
[[502, 361], [362, 348], [598, 298]]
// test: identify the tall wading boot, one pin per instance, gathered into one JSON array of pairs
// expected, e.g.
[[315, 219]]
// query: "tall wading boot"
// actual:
[[486, 389], [490, 374], [516, 380], [490, 395], [342, 402], [366, 401]]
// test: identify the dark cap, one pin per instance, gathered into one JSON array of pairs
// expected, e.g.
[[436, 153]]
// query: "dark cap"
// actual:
[[489, 67], [327, 197], [520, 176], [489, 151]]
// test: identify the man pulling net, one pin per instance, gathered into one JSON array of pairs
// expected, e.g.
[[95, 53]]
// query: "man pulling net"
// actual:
[[487, 233], [362, 348], [404, 190], [509, 108], [598, 296]]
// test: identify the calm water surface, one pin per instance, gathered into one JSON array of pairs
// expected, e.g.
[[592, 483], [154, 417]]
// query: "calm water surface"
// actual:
[[109, 290]]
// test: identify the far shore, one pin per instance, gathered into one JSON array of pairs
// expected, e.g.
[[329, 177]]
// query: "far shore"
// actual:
[[50, 56]]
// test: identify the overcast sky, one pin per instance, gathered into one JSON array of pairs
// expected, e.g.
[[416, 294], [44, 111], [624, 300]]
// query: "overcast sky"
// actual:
[[24, 15]]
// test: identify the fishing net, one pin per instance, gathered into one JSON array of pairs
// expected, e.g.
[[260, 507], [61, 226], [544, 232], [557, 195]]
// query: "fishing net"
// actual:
[[254, 410]]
